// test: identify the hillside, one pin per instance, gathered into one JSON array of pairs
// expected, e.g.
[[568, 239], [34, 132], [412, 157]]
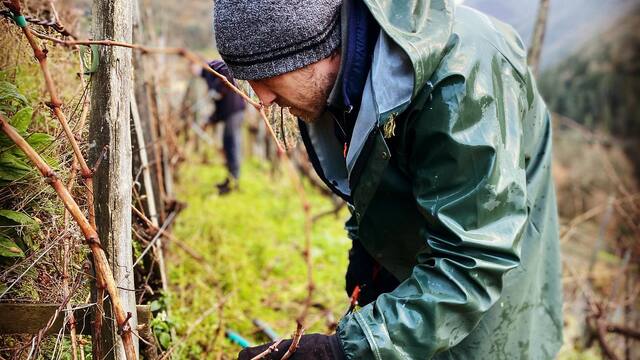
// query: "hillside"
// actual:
[[598, 85], [571, 24]]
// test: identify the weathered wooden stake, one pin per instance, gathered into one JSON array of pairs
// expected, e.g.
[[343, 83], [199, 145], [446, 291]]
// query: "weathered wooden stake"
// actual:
[[110, 135], [141, 116], [538, 37]]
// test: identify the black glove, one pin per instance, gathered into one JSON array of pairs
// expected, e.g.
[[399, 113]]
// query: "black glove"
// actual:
[[312, 346], [365, 272]]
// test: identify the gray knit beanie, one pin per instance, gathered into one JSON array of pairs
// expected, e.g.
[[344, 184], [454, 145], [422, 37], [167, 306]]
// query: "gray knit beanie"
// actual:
[[264, 38]]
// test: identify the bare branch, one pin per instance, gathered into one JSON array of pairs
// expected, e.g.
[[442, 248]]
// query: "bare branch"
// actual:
[[102, 268], [294, 343], [270, 349]]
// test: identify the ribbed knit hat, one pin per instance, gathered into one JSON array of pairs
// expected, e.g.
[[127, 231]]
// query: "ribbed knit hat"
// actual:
[[264, 38]]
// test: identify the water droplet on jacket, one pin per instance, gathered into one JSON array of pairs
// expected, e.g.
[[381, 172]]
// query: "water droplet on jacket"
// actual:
[[491, 204]]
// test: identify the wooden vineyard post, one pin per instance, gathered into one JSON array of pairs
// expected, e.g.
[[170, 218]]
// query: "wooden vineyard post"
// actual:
[[143, 139], [142, 85], [110, 147], [538, 37]]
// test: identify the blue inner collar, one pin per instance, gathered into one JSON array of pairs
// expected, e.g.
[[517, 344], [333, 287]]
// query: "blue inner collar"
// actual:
[[360, 33]]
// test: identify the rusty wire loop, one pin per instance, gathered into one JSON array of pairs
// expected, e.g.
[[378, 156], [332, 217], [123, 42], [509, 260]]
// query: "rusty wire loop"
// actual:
[[53, 24]]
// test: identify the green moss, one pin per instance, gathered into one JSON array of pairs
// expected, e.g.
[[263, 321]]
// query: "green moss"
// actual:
[[252, 240]]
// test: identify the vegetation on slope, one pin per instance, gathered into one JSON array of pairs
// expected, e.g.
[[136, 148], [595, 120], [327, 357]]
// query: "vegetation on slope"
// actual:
[[598, 85], [251, 242]]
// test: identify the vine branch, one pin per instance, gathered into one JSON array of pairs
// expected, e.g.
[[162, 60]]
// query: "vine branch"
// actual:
[[195, 59], [102, 268], [198, 60]]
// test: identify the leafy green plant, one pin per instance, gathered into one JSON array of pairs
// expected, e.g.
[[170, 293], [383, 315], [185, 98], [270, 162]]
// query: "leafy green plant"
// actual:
[[161, 325], [10, 98], [16, 233], [14, 164], [16, 228]]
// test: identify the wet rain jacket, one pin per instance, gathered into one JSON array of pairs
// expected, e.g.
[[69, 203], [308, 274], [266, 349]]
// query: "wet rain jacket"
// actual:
[[448, 179]]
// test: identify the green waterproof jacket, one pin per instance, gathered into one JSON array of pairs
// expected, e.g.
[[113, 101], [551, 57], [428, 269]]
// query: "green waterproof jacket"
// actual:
[[449, 180]]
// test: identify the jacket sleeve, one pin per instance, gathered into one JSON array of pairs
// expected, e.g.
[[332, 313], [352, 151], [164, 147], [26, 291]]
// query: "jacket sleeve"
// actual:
[[468, 179]]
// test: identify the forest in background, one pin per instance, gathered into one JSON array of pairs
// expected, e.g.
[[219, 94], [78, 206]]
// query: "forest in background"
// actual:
[[598, 84]]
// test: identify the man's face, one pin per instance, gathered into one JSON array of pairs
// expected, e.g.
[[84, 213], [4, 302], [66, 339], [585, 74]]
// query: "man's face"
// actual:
[[303, 91]]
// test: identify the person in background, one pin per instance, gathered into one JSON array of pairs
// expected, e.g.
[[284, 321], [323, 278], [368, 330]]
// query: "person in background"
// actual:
[[229, 108]]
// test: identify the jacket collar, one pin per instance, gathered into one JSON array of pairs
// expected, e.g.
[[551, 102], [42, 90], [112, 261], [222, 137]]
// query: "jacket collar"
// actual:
[[359, 35], [422, 29], [408, 50], [381, 99]]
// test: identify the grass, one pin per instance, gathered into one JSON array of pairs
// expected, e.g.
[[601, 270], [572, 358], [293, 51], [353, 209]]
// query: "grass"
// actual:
[[252, 240]]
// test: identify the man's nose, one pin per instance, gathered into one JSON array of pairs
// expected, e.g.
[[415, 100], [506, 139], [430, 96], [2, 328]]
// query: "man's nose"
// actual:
[[266, 96]]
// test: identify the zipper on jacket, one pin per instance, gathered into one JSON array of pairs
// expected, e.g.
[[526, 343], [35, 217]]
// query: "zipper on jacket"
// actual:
[[341, 126]]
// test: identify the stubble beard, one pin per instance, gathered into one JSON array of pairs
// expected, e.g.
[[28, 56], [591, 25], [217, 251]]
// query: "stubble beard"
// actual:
[[318, 89]]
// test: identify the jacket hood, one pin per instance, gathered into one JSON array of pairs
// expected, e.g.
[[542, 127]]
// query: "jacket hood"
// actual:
[[411, 44], [421, 28]]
